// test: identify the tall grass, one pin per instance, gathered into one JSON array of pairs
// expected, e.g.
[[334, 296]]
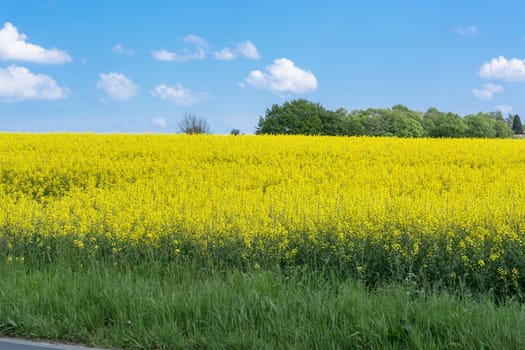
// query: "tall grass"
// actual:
[[185, 306]]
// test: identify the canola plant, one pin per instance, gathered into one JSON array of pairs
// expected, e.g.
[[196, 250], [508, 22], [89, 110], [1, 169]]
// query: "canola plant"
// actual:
[[437, 211]]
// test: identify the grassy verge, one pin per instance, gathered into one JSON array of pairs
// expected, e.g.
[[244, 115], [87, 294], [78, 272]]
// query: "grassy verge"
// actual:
[[184, 306]]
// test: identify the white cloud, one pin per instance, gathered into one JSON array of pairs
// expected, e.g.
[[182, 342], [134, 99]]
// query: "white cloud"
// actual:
[[194, 39], [503, 69], [246, 49], [18, 83], [13, 46], [118, 48], [117, 86], [159, 121], [488, 91], [505, 109], [178, 94], [163, 55], [199, 53], [186, 55], [225, 54], [466, 31], [283, 77]]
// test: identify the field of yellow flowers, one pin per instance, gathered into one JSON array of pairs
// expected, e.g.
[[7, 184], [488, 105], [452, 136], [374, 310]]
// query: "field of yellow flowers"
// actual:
[[438, 211]]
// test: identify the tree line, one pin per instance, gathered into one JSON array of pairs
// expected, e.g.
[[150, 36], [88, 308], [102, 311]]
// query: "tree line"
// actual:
[[303, 117]]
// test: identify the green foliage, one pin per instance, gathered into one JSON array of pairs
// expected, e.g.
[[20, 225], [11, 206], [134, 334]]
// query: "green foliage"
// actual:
[[441, 124], [308, 118], [171, 306], [398, 121], [235, 132], [332, 122], [487, 125], [517, 126], [371, 122], [295, 117], [302, 117], [354, 125], [502, 129], [480, 126], [402, 122]]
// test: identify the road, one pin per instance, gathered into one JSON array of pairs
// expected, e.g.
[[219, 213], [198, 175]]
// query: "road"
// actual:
[[21, 344]]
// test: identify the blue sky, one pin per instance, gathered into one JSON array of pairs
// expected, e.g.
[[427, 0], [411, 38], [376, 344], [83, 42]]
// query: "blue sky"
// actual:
[[139, 66]]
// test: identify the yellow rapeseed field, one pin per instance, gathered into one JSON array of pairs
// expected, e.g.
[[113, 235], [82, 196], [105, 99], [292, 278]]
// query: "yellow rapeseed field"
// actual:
[[438, 210]]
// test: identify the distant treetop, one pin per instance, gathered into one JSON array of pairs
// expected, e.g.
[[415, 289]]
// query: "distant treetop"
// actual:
[[302, 117]]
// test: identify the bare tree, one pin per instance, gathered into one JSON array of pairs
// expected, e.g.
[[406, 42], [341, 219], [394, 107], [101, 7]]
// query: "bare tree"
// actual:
[[191, 124]]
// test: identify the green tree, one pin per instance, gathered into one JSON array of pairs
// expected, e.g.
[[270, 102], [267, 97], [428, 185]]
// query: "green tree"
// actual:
[[480, 125], [371, 122], [502, 129], [404, 126], [298, 117], [353, 125], [398, 121], [487, 124], [439, 124], [332, 122], [308, 118], [517, 127], [403, 122], [401, 108]]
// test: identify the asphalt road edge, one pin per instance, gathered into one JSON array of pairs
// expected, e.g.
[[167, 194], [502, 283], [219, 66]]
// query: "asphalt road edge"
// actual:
[[23, 344]]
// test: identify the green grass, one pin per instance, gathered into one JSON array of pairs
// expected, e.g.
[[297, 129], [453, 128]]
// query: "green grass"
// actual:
[[188, 307]]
